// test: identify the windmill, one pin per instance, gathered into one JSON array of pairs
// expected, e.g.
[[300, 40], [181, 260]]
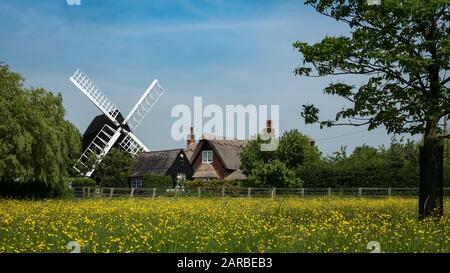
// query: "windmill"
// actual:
[[108, 136]]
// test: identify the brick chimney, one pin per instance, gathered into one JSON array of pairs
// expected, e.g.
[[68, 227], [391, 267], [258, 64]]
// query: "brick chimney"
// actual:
[[269, 126], [190, 137]]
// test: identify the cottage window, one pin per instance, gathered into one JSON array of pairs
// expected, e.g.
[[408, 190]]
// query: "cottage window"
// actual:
[[181, 176], [136, 182], [207, 156]]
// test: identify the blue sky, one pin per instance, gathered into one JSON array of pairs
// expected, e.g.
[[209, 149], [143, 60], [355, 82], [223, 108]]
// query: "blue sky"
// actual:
[[228, 52]]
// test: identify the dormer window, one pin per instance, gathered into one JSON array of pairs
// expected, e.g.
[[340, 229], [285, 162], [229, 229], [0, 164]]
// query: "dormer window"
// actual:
[[207, 156]]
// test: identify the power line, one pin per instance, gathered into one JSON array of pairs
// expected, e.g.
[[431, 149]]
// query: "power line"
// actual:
[[343, 135]]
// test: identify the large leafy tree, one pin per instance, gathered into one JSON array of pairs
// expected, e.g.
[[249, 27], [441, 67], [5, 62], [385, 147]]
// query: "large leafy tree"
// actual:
[[275, 174], [277, 168], [403, 47], [37, 144], [114, 168]]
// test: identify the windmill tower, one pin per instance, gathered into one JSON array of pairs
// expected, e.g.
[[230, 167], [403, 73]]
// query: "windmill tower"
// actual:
[[108, 135]]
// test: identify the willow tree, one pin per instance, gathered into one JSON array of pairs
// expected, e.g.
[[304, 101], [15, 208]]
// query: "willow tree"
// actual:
[[37, 145], [402, 47]]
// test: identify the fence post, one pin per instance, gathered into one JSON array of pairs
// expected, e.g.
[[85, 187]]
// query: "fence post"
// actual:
[[199, 192], [89, 192], [249, 192], [111, 191], [132, 192], [302, 192], [329, 191], [389, 191], [274, 192], [223, 191], [84, 192], [101, 192], [154, 193], [360, 191]]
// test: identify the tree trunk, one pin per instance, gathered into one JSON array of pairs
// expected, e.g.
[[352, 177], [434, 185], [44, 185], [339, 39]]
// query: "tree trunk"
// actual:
[[431, 174]]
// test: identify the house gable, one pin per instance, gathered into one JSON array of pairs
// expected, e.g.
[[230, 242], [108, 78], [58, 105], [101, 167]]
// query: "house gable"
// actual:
[[216, 169], [167, 162], [226, 158]]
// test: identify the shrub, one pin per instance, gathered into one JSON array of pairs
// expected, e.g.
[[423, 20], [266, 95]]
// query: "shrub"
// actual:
[[82, 182], [196, 183], [157, 181]]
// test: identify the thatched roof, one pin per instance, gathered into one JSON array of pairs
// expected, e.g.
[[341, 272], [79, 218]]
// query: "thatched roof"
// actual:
[[229, 151], [189, 151], [236, 175], [205, 171], [155, 162]]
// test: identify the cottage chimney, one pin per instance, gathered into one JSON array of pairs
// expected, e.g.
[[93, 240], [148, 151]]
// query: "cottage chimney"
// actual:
[[190, 137], [269, 126]]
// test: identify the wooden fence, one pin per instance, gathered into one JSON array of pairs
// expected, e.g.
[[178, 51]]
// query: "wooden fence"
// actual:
[[97, 192]]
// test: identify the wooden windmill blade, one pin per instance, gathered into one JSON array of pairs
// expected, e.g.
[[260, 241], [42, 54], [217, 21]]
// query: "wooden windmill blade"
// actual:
[[88, 87]]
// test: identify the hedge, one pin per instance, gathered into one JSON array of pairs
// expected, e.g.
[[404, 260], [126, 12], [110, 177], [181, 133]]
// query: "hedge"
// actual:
[[327, 175], [196, 183], [83, 182], [34, 190], [157, 181]]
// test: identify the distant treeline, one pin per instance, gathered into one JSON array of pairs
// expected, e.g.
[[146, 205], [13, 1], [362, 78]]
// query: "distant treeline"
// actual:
[[296, 163], [396, 166]]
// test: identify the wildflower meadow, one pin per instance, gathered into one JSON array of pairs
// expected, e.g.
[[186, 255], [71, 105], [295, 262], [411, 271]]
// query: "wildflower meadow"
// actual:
[[220, 225]]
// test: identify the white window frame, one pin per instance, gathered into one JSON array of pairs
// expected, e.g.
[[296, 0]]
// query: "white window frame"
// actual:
[[136, 182], [207, 156], [181, 176]]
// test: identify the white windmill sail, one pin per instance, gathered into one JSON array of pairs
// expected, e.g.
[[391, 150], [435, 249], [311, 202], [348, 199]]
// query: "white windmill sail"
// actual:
[[108, 136], [132, 144], [98, 148], [82, 81], [144, 105]]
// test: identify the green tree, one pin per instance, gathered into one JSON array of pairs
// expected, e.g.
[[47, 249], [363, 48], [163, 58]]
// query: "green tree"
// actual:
[[275, 174], [73, 141], [252, 155], [114, 169], [403, 48], [36, 142], [294, 150]]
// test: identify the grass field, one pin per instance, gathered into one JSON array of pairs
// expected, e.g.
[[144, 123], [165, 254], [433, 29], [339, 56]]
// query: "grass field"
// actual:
[[220, 225]]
